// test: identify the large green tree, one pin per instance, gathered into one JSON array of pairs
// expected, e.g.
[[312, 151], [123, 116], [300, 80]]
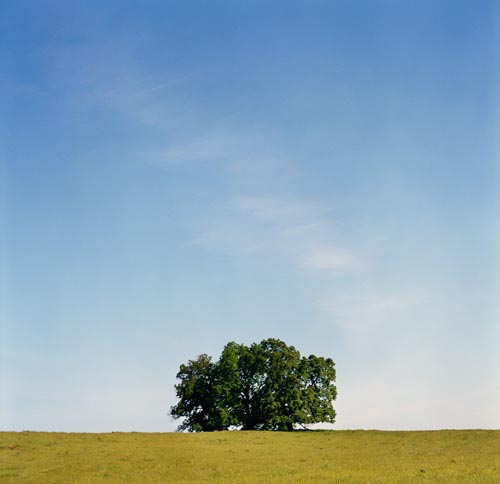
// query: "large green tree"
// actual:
[[264, 386]]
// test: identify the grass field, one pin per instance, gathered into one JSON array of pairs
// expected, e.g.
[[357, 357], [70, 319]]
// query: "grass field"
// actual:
[[361, 457]]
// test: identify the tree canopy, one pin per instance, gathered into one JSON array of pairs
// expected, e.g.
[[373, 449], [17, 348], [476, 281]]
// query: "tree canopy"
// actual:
[[264, 386]]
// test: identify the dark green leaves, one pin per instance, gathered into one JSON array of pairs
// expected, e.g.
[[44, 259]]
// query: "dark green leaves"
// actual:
[[267, 386]]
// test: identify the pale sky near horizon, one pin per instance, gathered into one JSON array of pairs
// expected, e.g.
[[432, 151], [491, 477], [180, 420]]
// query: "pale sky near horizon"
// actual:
[[175, 175]]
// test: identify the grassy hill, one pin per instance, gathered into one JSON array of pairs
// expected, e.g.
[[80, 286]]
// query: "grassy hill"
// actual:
[[361, 457]]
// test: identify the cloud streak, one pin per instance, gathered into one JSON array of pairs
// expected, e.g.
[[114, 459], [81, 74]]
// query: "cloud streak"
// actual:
[[369, 308], [281, 229]]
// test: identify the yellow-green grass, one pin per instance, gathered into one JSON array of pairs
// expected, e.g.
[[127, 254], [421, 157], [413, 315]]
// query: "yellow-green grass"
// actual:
[[361, 457]]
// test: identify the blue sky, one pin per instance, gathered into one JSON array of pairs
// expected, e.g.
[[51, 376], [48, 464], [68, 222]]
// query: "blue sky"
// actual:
[[177, 175]]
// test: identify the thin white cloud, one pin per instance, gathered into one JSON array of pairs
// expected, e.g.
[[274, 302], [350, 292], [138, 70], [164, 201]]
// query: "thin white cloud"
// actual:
[[274, 209], [227, 147], [246, 159], [262, 215], [331, 259], [107, 75], [358, 310], [281, 229]]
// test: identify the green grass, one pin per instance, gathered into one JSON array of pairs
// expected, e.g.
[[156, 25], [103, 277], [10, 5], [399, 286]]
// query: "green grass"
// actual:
[[361, 457]]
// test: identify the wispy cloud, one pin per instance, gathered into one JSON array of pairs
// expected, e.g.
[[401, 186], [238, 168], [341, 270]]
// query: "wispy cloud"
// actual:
[[358, 310], [108, 76], [209, 147], [331, 259], [284, 229], [263, 216], [245, 156]]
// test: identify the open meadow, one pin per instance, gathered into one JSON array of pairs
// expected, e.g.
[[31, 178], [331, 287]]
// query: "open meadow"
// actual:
[[460, 456]]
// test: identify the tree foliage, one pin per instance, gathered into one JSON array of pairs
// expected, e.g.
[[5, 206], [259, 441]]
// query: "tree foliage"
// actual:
[[264, 386]]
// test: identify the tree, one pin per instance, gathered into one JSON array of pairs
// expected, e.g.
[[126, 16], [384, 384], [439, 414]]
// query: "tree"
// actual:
[[264, 386]]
